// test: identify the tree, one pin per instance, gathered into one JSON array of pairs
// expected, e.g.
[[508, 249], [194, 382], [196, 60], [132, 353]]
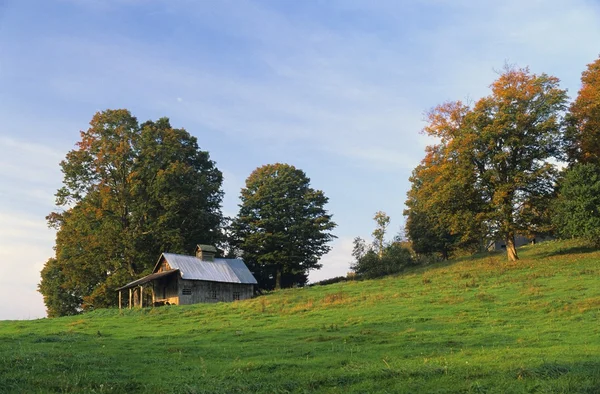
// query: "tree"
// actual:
[[583, 130], [503, 145], [129, 193], [510, 137], [382, 220], [282, 227], [577, 207], [444, 210]]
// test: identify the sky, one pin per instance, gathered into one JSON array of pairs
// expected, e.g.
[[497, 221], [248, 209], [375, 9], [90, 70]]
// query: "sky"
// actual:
[[337, 88]]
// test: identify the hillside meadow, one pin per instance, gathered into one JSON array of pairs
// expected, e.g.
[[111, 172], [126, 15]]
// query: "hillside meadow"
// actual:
[[471, 325]]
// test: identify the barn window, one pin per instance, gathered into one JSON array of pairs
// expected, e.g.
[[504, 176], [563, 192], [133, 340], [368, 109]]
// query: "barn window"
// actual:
[[213, 294], [186, 291], [236, 295]]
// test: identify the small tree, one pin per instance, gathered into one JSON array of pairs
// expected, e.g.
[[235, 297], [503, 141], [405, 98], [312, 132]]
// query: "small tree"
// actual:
[[282, 228], [382, 220], [577, 208]]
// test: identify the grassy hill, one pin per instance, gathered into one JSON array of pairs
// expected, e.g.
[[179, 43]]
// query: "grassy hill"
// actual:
[[469, 325]]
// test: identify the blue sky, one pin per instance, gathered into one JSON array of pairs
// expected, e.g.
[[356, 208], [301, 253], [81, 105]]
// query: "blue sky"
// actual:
[[337, 88]]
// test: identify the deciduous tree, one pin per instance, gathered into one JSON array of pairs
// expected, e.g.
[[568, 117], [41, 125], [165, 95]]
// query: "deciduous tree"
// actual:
[[583, 131], [444, 208], [383, 221], [129, 193], [510, 137], [502, 147]]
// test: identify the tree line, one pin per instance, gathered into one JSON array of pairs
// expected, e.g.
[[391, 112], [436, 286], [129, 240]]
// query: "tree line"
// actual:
[[132, 191], [493, 173]]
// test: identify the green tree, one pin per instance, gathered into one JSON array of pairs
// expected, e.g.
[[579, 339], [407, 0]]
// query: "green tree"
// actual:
[[59, 300], [383, 221], [129, 193], [369, 264], [282, 227], [583, 130], [577, 207]]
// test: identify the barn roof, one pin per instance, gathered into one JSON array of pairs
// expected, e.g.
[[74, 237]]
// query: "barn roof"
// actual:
[[219, 270], [193, 268]]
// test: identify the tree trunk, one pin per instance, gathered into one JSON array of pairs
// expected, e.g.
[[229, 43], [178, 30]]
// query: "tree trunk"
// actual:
[[278, 279], [511, 250]]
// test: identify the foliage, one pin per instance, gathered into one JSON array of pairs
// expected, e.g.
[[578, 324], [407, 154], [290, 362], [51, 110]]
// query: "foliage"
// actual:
[[380, 258], [129, 192], [501, 147], [583, 131], [330, 281], [383, 221], [444, 210], [393, 258], [463, 326], [282, 227], [59, 300], [577, 208]]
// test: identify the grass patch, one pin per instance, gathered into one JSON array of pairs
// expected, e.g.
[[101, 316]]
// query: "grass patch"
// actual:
[[470, 325]]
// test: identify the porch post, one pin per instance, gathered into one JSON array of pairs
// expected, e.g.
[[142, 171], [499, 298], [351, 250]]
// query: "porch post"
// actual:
[[130, 298], [119, 299], [141, 297]]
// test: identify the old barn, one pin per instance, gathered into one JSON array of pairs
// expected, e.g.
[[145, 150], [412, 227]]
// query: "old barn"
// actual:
[[181, 280]]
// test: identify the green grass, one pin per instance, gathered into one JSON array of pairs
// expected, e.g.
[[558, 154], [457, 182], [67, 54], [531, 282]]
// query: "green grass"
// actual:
[[472, 325]]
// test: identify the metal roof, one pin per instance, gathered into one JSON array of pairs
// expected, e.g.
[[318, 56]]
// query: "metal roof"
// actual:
[[219, 270], [147, 279]]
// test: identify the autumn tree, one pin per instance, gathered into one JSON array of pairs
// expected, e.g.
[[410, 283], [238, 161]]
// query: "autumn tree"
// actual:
[[510, 137], [500, 148], [444, 210], [282, 227], [129, 193], [583, 121]]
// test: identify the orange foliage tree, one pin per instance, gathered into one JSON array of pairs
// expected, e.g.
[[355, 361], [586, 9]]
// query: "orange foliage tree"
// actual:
[[493, 159], [583, 131]]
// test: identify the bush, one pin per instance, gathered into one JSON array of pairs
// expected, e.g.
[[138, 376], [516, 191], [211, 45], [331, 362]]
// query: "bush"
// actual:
[[394, 259]]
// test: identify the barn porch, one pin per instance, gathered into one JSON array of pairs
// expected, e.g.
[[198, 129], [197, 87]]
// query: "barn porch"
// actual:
[[136, 288]]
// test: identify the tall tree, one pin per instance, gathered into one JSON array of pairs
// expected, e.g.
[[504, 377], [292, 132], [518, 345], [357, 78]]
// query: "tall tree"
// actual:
[[382, 220], [502, 146], [282, 228], [510, 137], [129, 192], [583, 131]]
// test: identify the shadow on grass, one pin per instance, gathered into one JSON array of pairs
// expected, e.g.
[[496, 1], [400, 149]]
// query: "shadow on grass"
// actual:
[[574, 249]]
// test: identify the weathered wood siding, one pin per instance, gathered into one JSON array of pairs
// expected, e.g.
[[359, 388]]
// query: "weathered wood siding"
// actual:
[[166, 289], [197, 291]]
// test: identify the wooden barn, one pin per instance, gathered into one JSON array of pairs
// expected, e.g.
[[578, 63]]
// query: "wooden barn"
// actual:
[[181, 280]]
